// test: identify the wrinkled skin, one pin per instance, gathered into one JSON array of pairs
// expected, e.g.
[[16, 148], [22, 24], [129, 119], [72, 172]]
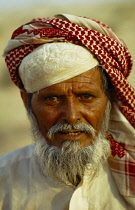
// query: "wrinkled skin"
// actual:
[[78, 99]]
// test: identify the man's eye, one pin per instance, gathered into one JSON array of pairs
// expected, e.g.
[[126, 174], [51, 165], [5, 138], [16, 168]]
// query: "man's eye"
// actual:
[[86, 96], [51, 98]]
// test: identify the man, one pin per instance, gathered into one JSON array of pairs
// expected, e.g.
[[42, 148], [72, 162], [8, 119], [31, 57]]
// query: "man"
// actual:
[[72, 73]]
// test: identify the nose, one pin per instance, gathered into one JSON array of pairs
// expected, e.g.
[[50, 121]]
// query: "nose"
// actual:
[[71, 112]]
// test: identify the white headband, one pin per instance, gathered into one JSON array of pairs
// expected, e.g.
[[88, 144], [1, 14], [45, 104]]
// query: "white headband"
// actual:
[[52, 63]]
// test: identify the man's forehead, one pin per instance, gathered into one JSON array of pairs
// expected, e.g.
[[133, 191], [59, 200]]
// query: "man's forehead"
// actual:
[[88, 79]]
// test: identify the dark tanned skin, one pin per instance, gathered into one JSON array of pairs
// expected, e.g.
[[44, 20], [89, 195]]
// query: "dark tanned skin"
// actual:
[[78, 99]]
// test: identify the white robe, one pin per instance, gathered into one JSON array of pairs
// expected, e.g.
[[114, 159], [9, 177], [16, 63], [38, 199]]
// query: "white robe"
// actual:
[[22, 187]]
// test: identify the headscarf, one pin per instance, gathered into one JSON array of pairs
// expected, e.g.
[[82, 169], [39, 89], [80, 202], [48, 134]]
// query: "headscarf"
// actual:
[[94, 35], [112, 55]]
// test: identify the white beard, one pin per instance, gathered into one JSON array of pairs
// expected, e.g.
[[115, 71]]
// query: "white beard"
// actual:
[[69, 163]]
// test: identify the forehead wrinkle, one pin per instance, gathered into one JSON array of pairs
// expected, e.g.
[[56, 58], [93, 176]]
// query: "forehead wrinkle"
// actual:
[[69, 87], [90, 79]]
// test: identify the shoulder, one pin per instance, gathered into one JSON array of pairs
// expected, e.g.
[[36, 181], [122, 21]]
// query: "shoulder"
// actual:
[[15, 169], [16, 162], [16, 156]]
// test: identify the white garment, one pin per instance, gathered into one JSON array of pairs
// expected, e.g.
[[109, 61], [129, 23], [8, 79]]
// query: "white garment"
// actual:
[[22, 187]]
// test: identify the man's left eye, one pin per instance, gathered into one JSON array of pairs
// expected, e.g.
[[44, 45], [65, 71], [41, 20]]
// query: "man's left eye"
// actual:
[[86, 96]]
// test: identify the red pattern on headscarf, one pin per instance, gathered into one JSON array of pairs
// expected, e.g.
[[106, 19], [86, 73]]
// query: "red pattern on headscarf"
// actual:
[[112, 55], [122, 165]]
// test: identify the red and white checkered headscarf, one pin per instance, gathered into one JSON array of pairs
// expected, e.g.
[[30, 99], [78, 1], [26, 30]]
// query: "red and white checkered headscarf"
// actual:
[[111, 54], [96, 36]]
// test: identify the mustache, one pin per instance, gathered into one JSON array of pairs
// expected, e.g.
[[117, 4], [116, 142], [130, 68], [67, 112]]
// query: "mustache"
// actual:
[[66, 126]]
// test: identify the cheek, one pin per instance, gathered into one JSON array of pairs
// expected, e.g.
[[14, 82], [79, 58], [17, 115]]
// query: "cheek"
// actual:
[[95, 114], [46, 117]]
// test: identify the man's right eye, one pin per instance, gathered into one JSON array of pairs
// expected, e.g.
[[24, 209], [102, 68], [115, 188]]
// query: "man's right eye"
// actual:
[[51, 98]]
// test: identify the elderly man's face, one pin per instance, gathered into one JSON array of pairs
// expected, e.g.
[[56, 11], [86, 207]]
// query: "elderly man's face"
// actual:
[[80, 99]]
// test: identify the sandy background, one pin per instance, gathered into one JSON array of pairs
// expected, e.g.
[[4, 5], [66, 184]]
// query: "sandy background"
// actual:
[[14, 125]]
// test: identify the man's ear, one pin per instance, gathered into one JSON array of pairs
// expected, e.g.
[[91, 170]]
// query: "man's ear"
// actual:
[[24, 96]]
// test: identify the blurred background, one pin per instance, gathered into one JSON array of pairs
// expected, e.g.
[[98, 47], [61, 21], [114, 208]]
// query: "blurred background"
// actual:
[[118, 14]]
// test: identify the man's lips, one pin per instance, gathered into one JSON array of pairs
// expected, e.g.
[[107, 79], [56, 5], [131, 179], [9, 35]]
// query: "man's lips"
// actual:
[[81, 136], [71, 132]]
